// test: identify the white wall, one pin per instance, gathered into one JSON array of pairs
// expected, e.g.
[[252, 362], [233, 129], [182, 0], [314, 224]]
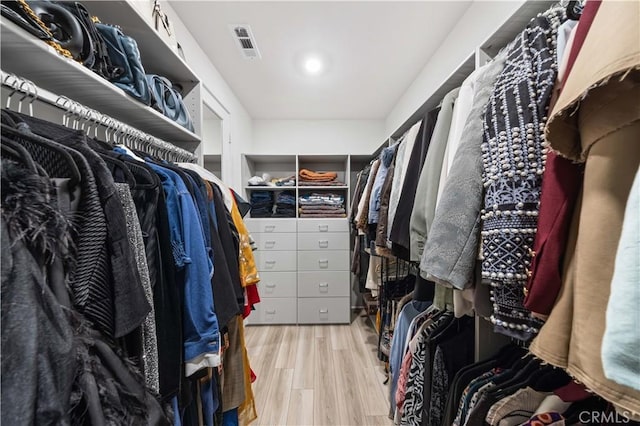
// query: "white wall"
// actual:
[[237, 125], [479, 22], [316, 136]]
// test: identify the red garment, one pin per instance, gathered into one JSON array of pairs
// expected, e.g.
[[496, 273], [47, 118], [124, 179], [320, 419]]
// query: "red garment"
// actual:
[[586, 19], [573, 392], [252, 298], [403, 379], [561, 184]]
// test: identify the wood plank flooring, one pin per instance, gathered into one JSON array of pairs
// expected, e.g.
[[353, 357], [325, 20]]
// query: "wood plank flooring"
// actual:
[[318, 375]]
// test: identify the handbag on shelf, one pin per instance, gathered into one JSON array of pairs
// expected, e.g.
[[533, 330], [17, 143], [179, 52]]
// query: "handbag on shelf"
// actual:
[[163, 26], [66, 26], [97, 55], [124, 53], [25, 19], [168, 100]]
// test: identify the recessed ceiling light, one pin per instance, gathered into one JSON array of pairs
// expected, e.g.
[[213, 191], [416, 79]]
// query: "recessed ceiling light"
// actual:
[[313, 65]]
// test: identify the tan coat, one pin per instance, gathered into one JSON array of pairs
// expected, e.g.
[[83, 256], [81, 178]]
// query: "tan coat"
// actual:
[[596, 120]]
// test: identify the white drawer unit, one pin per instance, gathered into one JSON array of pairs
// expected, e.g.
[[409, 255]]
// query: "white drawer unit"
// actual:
[[327, 260], [277, 284], [323, 284], [277, 310], [270, 225], [277, 241], [323, 241], [323, 225], [268, 261], [324, 310], [304, 270]]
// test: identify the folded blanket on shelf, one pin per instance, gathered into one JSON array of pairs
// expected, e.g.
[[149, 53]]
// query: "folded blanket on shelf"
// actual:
[[310, 175], [320, 211], [322, 207], [321, 183], [327, 199], [323, 215]]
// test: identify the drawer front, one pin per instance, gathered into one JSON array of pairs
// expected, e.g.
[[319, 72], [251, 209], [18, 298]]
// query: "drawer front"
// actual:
[[277, 284], [329, 310], [323, 225], [328, 260], [281, 310], [270, 225], [323, 241], [323, 284], [275, 260], [278, 241]]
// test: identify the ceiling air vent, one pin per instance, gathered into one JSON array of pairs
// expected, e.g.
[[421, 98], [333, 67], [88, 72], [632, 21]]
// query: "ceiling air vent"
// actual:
[[245, 41]]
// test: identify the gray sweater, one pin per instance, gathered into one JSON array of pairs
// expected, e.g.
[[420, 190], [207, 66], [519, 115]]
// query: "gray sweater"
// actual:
[[451, 250]]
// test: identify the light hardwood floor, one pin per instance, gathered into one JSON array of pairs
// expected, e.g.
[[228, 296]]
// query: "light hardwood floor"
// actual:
[[318, 375]]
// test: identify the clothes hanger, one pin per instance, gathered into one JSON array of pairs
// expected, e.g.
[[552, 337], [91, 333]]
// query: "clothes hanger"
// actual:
[[119, 142], [518, 380], [574, 10], [19, 153], [30, 140], [10, 80]]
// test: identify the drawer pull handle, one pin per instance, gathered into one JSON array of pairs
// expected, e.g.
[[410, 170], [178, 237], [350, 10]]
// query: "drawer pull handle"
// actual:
[[324, 311], [324, 284], [269, 228], [323, 243], [269, 244], [270, 264], [270, 285], [271, 311], [323, 228], [324, 263]]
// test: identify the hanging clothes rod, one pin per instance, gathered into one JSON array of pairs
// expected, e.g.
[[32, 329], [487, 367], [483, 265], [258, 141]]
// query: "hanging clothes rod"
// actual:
[[80, 117]]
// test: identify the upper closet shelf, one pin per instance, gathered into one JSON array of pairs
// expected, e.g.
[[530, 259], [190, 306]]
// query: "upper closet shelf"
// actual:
[[157, 56], [30, 58], [454, 80]]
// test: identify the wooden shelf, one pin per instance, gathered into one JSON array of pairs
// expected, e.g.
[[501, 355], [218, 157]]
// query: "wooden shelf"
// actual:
[[30, 58]]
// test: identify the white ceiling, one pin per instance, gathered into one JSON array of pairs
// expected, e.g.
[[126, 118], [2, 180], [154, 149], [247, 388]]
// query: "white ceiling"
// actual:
[[375, 51]]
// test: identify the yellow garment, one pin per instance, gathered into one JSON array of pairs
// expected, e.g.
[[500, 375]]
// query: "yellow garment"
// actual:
[[248, 269], [247, 410]]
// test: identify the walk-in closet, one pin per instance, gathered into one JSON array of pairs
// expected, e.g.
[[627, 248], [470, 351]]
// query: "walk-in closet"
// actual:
[[320, 213]]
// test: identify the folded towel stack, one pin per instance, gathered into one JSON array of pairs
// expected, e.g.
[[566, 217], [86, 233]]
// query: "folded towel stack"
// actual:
[[322, 205], [311, 178]]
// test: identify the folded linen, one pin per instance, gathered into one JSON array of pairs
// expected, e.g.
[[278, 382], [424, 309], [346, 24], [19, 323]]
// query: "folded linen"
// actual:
[[310, 175]]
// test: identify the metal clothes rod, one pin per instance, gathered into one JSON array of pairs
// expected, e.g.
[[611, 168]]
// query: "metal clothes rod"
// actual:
[[80, 117]]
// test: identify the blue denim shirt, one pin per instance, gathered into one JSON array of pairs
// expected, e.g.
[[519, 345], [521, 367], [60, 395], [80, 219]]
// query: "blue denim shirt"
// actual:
[[202, 206], [386, 158], [200, 324]]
